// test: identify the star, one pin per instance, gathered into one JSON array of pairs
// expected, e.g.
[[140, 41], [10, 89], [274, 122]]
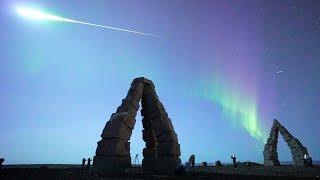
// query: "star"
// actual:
[[280, 71]]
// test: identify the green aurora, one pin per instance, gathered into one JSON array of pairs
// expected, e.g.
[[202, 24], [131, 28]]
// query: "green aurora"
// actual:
[[237, 107]]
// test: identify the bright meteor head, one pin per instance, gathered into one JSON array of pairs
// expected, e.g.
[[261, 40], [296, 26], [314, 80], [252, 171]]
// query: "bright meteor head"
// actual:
[[37, 14]]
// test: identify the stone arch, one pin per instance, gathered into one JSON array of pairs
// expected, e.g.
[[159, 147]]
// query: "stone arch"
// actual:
[[162, 150], [270, 149]]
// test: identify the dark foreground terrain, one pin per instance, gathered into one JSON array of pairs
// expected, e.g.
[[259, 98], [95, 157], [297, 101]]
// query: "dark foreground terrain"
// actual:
[[74, 172]]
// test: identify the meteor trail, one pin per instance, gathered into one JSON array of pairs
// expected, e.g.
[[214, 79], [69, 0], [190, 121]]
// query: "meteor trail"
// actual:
[[41, 15]]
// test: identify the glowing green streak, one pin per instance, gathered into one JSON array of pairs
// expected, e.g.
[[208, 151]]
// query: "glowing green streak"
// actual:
[[236, 107], [41, 15]]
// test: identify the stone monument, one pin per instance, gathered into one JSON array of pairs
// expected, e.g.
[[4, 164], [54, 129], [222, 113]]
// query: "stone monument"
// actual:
[[270, 149], [162, 151]]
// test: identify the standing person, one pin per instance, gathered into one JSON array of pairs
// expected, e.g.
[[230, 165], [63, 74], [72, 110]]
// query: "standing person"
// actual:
[[1, 161], [89, 161], [136, 160], [307, 160], [192, 160], [310, 160], [83, 163], [234, 160]]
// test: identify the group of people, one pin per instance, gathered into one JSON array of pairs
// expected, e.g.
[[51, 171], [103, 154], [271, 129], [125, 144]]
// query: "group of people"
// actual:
[[84, 163], [307, 159], [192, 160], [191, 163]]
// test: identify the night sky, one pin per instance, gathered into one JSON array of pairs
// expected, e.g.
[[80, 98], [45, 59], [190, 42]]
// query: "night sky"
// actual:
[[223, 70]]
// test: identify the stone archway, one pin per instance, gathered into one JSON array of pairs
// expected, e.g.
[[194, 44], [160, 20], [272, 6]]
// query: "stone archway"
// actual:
[[162, 151], [270, 149]]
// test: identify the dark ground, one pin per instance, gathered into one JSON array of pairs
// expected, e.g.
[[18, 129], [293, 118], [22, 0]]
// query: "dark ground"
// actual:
[[73, 172]]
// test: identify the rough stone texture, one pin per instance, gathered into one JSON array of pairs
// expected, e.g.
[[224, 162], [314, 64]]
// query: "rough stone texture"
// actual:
[[270, 149], [162, 148], [162, 151], [168, 149], [118, 128], [113, 148]]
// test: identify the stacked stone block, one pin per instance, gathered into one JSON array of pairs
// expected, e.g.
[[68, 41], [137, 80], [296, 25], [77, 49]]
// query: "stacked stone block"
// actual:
[[270, 148]]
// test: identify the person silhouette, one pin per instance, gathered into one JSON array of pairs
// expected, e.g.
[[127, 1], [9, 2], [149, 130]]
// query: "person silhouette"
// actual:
[[305, 157], [307, 160], [136, 160], [83, 162], [234, 160], [310, 161], [89, 161], [1, 161], [192, 160]]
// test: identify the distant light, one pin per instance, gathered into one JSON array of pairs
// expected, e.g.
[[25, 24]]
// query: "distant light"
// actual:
[[278, 72]]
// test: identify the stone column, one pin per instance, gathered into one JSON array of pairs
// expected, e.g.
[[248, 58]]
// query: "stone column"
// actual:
[[162, 151], [113, 150], [297, 149], [270, 149]]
